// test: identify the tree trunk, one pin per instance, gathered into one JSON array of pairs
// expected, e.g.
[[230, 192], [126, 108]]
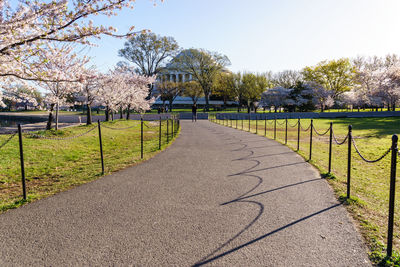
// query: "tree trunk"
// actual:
[[120, 113], [112, 115], [57, 109], [107, 111], [50, 121], [88, 115], [170, 104], [128, 112], [207, 107]]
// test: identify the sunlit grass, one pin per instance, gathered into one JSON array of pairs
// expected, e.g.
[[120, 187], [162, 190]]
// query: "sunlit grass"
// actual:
[[52, 166]]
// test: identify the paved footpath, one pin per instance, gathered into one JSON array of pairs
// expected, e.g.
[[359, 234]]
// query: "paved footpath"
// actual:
[[217, 196]]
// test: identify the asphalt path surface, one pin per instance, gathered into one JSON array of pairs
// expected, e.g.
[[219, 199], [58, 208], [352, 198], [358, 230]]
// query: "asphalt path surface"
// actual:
[[218, 196]]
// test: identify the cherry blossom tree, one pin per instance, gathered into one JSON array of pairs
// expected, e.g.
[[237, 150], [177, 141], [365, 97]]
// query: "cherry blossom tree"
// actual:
[[22, 93], [323, 97], [275, 97], [65, 69], [122, 89], [25, 28], [89, 90], [376, 80]]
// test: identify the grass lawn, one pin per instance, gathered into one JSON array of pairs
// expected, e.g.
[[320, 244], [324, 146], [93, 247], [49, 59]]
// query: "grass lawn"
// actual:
[[370, 182], [52, 166]]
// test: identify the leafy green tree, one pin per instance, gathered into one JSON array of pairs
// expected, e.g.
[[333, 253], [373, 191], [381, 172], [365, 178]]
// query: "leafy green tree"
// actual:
[[149, 52], [203, 65], [253, 85], [193, 90], [224, 86], [337, 76]]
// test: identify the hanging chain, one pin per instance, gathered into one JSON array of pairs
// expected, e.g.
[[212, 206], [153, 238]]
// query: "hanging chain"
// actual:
[[61, 138], [8, 140]]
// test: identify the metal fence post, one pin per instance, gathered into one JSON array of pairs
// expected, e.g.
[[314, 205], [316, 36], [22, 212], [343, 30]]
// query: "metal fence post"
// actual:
[[101, 148], [392, 194], [21, 157], [237, 117], [311, 131], [256, 124], [330, 148], [249, 123], [172, 128], [265, 126], [349, 160], [275, 129], [298, 134], [286, 131], [167, 130], [159, 135], [141, 138]]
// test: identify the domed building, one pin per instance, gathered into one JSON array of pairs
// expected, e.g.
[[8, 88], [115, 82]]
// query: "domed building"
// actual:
[[172, 72]]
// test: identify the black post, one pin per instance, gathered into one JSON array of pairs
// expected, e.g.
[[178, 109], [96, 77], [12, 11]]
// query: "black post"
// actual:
[[21, 156], [167, 130], [349, 141], [392, 194], [159, 135], [256, 124], [298, 134], [141, 138], [265, 126], [101, 148], [172, 128], [311, 131], [237, 117], [249, 123], [275, 129], [286, 132], [330, 148]]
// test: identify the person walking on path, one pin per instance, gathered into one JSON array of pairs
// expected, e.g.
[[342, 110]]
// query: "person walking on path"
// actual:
[[194, 113]]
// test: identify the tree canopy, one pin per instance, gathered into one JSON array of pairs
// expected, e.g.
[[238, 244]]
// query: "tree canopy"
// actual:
[[203, 65], [336, 76]]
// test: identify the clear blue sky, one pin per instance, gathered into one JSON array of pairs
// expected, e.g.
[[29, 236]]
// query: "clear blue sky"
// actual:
[[264, 35]]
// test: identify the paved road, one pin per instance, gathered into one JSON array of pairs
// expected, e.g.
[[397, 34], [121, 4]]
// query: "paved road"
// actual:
[[218, 196]]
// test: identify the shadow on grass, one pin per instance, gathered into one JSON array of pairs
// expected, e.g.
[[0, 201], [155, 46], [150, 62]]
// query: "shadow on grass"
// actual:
[[379, 126]]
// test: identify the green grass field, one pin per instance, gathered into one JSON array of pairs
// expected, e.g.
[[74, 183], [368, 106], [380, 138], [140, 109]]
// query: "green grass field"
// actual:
[[52, 166], [370, 181]]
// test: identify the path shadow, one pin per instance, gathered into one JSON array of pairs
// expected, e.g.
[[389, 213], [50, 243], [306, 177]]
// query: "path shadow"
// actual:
[[203, 262], [271, 190], [268, 168], [261, 156]]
